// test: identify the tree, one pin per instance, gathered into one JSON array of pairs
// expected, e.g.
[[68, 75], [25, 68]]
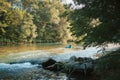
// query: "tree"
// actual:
[[23, 20], [48, 18], [21, 26], [98, 22], [16, 25], [4, 8]]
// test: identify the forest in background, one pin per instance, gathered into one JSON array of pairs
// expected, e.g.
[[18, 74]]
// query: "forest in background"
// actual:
[[23, 21], [95, 23]]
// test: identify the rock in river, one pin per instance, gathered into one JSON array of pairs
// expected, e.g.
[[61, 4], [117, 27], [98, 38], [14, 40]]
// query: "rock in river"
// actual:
[[47, 63], [52, 65], [82, 66]]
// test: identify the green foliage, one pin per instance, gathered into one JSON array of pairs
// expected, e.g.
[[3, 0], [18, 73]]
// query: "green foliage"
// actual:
[[16, 25], [106, 30], [49, 21], [4, 7], [23, 21]]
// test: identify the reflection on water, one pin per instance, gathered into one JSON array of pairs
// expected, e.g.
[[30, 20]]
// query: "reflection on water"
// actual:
[[27, 47], [30, 52], [8, 52]]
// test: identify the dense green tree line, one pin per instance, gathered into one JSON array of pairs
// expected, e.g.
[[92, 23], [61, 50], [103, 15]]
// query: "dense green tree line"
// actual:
[[97, 22], [33, 20]]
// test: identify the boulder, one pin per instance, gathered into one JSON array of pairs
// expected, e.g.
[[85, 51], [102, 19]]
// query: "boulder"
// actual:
[[79, 65], [84, 59], [52, 65], [80, 59], [82, 66], [73, 58], [47, 63], [79, 69], [55, 67]]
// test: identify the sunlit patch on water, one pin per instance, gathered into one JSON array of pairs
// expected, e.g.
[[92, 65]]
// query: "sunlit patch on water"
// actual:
[[34, 55]]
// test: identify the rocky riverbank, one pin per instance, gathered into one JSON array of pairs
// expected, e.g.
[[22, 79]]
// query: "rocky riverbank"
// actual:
[[84, 68], [74, 68]]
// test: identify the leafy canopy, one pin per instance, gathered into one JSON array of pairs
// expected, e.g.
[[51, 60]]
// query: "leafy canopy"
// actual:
[[98, 22]]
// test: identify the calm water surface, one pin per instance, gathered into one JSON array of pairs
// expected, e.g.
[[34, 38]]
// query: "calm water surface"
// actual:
[[30, 52]]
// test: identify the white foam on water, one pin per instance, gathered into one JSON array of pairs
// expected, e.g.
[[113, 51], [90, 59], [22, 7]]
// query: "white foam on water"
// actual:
[[16, 66], [89, 52]]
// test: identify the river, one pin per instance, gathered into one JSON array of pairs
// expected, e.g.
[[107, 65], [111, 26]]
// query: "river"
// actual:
[[23, 62]]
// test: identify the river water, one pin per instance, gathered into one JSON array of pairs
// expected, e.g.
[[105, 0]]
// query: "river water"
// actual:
[[23, 62]]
